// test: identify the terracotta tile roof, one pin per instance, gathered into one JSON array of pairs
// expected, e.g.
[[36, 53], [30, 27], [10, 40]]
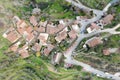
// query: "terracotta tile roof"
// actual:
[[27, 32], [60, 27], [33, 21], [54, 29], [22, 27], [11, 35], [30, 37], [14, 47], [21, 24], [94, 41], [43, 38], [41, 29], [107, 20], [36, 47], [61, 36], [46, 52], [51, 29], [48, 49], [25, 46], [94, 26], [72, 34], [24, 53], [29, 29], [20, 30]]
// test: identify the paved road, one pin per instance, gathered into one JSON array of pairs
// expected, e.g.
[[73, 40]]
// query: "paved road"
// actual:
[[98, 13], [91, 69], [110, 4], [84, 24], [80, 5], [69, 51]]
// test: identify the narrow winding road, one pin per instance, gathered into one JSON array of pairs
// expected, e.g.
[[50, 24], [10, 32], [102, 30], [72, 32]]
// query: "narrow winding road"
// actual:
[[68, 53], [90, 69]]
